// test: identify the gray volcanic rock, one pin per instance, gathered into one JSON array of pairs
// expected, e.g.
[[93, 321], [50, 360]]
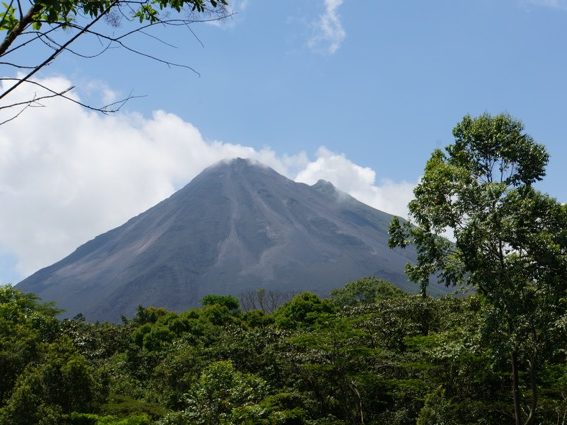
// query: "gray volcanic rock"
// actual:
[[237, 226]]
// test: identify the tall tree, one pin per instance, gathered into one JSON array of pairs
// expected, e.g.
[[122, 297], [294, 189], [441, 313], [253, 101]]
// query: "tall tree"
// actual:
[[510, 241]]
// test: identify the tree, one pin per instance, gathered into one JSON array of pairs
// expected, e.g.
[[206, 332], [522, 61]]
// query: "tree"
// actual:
[[25, 324], [365, 291], [52, 27], [510, 241], [302, 311], [60, 382], [215, 398], [228, 301], [437, 410]]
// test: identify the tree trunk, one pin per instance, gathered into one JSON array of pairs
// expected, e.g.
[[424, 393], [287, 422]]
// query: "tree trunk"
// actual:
[[515, 389], [533, 385]]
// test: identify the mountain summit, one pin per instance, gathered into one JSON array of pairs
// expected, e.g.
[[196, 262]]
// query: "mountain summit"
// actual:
[[237, 226]]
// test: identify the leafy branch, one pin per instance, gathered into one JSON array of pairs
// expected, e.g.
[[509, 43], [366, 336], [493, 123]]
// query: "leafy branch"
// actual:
[[57, 26]]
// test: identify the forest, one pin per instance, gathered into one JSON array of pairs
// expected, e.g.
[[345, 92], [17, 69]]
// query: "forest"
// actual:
[[369, 354]]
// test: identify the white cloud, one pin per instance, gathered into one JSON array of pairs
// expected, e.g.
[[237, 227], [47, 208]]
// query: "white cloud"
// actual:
[[329, 33], [102, 94], [359, 182], [68, 174]]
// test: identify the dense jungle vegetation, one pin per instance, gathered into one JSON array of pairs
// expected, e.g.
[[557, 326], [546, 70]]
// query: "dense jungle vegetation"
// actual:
[[369, 354]]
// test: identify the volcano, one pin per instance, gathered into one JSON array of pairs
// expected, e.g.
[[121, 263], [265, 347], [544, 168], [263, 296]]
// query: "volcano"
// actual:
[[236, 227]]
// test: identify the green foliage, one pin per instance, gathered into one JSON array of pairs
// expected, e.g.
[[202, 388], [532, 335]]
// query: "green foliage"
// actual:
[[222, 395], [9, 20], [365, 291], [67, 12], [148, 315], [257, 318], [91, 419], [62, 382], [154, 338], [228, 301], [131, 408], [436, 410], [509, 240], [301, 311], [25, 324], [398, 359]]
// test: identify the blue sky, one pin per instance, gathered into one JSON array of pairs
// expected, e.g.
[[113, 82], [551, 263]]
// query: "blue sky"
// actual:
[[405, 73], [370, 98]]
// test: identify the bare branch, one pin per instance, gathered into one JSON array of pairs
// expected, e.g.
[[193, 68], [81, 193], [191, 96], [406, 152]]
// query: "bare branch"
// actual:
[[159, 40], [51, 43], [37, 34], [15, 65], [38, 98], [106, 109], [118, 40], [195, 35], [16, 115], [20, 10]]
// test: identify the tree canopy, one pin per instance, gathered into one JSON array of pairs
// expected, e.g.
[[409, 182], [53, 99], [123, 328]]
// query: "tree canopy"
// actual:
[[508, 242], [308, 363]]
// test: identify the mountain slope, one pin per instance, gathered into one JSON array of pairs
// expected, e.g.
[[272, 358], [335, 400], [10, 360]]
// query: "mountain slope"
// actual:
[[237, 226]]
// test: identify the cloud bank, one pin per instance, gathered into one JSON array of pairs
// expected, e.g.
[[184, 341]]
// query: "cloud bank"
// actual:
[[329, 33], [357, 181], [68, 174]]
